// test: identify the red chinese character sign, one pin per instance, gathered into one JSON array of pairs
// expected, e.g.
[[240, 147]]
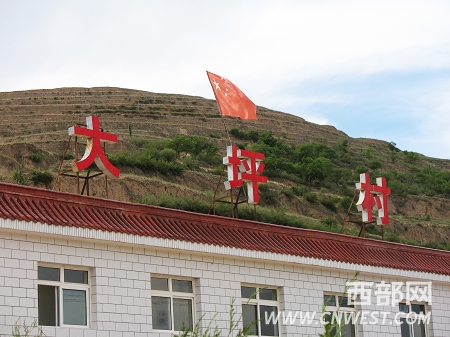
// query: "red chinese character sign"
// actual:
[[373, 198], [244, 165], [94, 151]]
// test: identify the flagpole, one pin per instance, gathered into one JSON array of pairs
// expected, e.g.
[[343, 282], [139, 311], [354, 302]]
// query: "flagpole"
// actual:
[[226, 129]]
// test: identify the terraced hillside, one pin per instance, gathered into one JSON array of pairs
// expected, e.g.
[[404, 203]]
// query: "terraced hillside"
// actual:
[[35, 123]]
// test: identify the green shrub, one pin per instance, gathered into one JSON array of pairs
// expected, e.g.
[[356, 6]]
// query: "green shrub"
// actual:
[[35, 157], [168, 155], [25, 330], [411, 157], [328, 202], [68, 156], [267, 196], [375, 164], [311, 197], [330, 222], [345, 203], [18, 176], [391, 237], [299, 191], [287, 191], [41, 177], [360, 169]]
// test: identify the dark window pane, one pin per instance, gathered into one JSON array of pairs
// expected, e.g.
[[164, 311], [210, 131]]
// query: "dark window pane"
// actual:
[[268, 294], [182, 286], [76, 276], [49, 274], [248, 292], [419, 326], [348, 330], [161, 319], [329, 300], [419, 329], [418, 308], [403, 307], [182, 314], [47, 305], [160, 283], [343, 302], [74, 307], [249, 318], [405, 328], [268, 329]]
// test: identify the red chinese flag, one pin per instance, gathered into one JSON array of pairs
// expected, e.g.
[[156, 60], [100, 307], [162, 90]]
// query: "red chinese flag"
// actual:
[[231, 100]]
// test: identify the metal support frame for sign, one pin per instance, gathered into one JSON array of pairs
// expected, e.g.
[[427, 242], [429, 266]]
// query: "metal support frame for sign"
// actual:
[[358, 221], [234, 197], [84, 176]]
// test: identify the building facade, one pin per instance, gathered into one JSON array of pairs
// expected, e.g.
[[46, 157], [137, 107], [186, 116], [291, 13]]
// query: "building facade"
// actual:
[[84, 266]]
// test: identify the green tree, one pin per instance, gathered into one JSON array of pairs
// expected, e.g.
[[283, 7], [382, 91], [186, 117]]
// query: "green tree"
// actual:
[[411, 157], [342, 146], [315, 169], [368, 152]]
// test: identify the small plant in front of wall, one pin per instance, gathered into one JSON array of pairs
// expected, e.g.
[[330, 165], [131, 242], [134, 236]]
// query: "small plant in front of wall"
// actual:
[[333, 327], [25, 330]]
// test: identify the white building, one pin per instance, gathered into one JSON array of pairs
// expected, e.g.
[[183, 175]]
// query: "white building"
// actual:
[[89, 267]]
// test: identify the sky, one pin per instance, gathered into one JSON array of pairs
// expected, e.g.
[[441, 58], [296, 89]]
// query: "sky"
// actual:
[[373, 69]]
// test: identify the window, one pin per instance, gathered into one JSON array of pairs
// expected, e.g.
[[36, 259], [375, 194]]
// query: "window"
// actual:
[[340, 310], [172, 304], [63, 296], [257, 304], [412, 326]]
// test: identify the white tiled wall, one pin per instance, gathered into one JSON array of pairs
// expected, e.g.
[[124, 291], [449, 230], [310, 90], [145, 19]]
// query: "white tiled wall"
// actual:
[[121, 294]]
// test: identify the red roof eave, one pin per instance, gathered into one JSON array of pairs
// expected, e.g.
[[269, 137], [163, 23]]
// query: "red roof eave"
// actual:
[[65, 209]]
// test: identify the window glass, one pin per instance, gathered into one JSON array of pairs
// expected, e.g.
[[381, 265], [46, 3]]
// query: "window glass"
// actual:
[[329, 300], [47, 273], [182, 286], [76, 276], [334, 304], [268, 294], [419, 326], [343, 302], [348, 330], [47, 305], [405, 328], [160, 283], [268, 329], [182, 314], [403, 307], [249, 318], [74, 307], [248, 292], [161, 318]]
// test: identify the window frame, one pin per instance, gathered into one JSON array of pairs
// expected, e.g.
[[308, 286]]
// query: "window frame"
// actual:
[[338, 307], [62, 285], [258, 302], [173, 294], [409, 305]]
